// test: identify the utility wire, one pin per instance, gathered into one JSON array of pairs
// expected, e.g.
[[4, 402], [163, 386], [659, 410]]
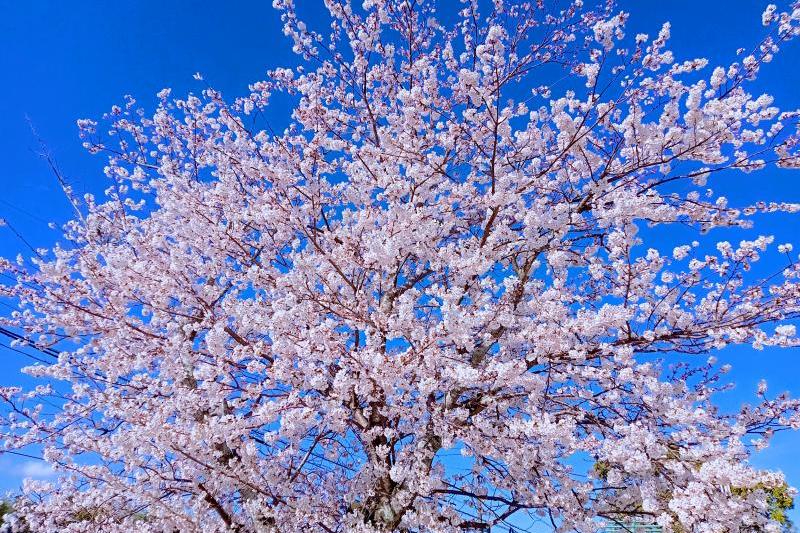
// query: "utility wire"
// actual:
[[10, 226], [24, 211], [21, 454], [26, 354], [16, 336]]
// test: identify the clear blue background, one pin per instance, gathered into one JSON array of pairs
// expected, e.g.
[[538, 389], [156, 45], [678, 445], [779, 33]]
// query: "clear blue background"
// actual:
[[64, 60]]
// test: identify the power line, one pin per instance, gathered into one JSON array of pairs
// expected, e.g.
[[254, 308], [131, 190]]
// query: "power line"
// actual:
[[21, 454], [26, 354], [16, 336], [24, 211], [10, 226]]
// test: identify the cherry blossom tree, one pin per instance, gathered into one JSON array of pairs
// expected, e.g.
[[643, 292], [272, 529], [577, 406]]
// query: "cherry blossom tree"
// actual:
[[470, 286]]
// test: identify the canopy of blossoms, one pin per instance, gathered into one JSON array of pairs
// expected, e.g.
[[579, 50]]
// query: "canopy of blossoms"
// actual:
[[449, 295]]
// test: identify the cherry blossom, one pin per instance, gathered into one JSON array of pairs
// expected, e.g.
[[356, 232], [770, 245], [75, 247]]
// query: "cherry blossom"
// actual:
[[433, 302]]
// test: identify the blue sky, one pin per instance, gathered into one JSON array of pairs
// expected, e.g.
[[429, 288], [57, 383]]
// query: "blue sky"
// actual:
[[60, 61]]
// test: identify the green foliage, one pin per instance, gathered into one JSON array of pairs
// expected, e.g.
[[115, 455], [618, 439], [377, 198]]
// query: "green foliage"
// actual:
[[5, 508], [88, 514], [779, 499], [602, 468]]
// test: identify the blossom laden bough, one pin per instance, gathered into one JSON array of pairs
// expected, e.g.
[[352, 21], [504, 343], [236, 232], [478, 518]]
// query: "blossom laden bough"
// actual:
[[440, 256]]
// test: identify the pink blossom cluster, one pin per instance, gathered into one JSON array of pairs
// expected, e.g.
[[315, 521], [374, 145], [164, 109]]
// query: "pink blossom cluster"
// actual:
[[428, 304]]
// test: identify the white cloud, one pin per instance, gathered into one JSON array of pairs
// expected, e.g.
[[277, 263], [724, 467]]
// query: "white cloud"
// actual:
[[37, 469]]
